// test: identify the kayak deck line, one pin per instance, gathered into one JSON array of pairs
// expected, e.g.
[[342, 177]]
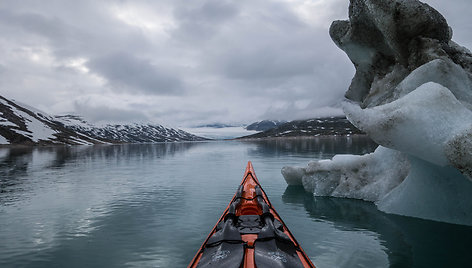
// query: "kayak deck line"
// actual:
[[250, 233]]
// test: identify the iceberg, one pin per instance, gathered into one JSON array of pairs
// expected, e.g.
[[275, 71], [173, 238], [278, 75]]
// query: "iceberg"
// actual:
[[412, 94], [367, 177]]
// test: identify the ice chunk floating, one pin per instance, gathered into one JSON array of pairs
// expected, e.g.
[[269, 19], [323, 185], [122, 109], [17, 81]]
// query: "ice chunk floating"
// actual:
[[412, 94], [367, 177]]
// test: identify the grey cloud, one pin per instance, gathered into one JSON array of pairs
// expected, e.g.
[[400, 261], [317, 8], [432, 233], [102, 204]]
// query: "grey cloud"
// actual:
[[183, 116], [210, 11], [267, 63], [452, 11], [291, 112], [205, 53], [269, 42], [198, 21], [79, 29], [107, 114], [37, 29], [50, 27], [184, 113], [132, 74]]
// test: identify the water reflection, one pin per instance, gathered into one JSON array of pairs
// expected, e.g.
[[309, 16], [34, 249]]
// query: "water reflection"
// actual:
[[13, 166], [14, 162], [127, 230], [153, 205], [92, 206], [321, 146], [409, 242], [18, 163]]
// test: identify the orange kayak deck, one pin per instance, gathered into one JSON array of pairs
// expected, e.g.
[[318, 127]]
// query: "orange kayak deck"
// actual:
[[250, 233]]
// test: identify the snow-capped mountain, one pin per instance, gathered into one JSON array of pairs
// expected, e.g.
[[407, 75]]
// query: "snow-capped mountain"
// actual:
[[127, 133], [265, 125], [22, 124], [338, 126]]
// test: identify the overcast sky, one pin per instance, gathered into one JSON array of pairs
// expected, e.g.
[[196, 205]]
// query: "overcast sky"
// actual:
[[182, 62]]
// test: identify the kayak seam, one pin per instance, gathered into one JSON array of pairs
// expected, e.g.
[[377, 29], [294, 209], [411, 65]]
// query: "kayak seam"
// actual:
[[271, 211]]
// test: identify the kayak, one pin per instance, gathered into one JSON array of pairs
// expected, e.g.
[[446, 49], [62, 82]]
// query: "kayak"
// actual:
[[250, 233]]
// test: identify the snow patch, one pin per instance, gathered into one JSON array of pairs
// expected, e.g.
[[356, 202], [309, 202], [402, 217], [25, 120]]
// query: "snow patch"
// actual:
[[34, 110], [38, 130], [3, 140], [6, 123]]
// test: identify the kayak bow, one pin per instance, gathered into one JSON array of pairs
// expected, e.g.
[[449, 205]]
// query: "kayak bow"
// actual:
[[250, 233]]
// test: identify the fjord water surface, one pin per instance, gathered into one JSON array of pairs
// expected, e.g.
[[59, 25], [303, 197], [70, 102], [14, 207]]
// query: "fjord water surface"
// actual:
[[153, 205]]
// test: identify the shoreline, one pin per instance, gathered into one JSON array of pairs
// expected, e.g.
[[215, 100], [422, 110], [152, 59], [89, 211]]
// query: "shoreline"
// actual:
[[214, 140], [304, 137], [175, 142]]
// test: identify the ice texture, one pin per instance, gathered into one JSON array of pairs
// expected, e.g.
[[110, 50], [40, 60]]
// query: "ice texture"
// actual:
[[367, 177], [412, 93], [421, 123], [431, 192]]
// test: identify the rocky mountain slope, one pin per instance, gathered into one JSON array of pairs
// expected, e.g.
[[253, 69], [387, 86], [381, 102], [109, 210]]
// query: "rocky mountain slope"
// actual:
[[127, 133], [265, 125], [310, 127], [21, 124]]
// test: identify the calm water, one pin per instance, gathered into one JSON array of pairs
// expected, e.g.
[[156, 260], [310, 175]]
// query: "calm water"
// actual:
[[153, 205]]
